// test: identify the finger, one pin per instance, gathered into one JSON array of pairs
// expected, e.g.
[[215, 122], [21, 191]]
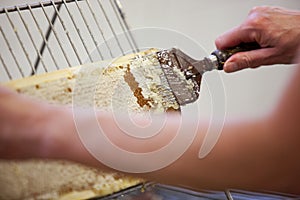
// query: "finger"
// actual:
[[235, 36], [250, 59]]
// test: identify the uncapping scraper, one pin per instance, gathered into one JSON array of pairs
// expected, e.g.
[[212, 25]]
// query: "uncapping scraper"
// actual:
[[174, 59]]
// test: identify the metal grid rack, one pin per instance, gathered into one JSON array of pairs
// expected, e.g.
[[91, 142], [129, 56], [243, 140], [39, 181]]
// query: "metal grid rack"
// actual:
[[50, 35], [160, 191]]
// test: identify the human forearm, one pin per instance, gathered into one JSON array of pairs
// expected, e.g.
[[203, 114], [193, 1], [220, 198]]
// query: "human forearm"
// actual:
[[20, 125], [241, 159], [260, 155], [249, 155]]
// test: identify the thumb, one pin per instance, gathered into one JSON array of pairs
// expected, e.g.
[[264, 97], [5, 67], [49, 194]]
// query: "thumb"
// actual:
[[249, 59]]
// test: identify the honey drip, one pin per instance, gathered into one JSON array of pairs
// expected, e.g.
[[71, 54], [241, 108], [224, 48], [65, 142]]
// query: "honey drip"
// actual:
[[134, 86]]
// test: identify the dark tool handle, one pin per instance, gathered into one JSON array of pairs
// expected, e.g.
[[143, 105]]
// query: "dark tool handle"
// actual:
[[223, 55]]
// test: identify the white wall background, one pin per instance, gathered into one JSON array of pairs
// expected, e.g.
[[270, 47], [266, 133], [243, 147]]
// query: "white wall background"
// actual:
[[249, 93]]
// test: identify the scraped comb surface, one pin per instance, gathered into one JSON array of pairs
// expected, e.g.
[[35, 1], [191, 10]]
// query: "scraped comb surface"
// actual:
[[134, 82]]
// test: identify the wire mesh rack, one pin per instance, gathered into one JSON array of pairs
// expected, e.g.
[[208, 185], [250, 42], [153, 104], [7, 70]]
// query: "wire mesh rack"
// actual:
[[160, 191], [49, 35]]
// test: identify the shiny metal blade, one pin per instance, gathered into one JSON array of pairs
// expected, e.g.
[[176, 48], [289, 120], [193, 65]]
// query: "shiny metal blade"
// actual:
[[185, 90], [184, 73]]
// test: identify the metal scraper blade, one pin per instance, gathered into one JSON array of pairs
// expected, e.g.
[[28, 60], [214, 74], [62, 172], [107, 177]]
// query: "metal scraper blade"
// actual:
[[184, 73], [185, 90]]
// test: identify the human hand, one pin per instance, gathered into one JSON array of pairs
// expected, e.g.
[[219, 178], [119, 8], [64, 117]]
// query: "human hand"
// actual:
[[276, 30]]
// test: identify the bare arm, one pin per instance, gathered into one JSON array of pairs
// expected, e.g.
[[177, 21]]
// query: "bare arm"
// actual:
[[250, 155]]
